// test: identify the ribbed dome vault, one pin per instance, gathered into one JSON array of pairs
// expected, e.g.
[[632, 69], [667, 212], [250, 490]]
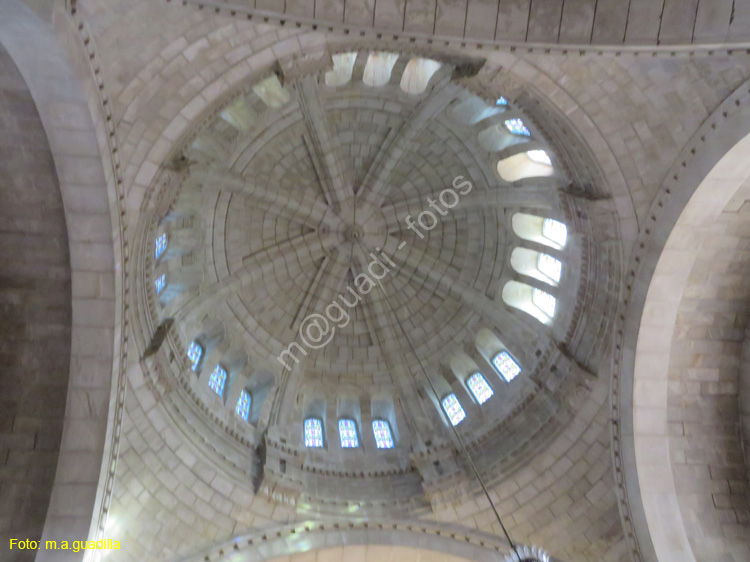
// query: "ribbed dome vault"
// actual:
[[275, 209]]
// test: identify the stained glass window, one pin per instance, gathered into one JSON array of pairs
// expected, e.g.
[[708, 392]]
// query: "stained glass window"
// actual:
[[313, 432], [160, 245], [517, 127], [348, 434], [539, 156], [383, 435], [453, 409], [243, 405], [160, 282], [506, 365], [555, 231], [551, 267], [544, 301], [194, 352], [479, 387], [501, 101], [217, 379]]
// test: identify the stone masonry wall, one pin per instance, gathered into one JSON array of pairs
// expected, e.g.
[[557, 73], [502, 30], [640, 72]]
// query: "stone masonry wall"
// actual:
[[35, 315]]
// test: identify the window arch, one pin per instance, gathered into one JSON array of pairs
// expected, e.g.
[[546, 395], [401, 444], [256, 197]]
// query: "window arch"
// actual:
[[529, 164], [497, 354], [381, 429], [348, 433], [555, 231], [544, 301], [497, 137], [479, 387], [546, 231], [517, 127], [506, 365], [537, 265], [243, 405], [272, 92], [417, 75], [240, 114], [217, 380], [539, 304], [160, 245], [194, 353], [313, 432], [343, 65], [160, 282], [474, 109], [378, 68], [549, 266], [453, 409]]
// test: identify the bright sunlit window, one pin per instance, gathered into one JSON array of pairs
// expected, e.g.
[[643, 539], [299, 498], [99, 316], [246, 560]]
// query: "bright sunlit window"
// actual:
[[313, 432], [160, 245], [479, 387], [160, 282], [217, 379], [517, 127], [506, 365], [348, 434], [555, 231], [453, 409], [550, 267], [544, 301], [540, 157], [383, 436], [194, 352], [243, 405]]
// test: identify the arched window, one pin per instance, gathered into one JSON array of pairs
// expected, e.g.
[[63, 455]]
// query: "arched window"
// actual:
[[417, 75], [549, 232], [533, 301], [383, 436], [313, 429], [479, 387], [160, 282], [517, 127], [217, 379], [194, 353], [348, 433], [160, 245], [539, 156], [243, 405], [473, 110], [240, 114], [378, 69], [529, 164], [453, 409], [544, 301], [537, 265], [272, 92], [506, 365], [550, 267], [343, 65], [555, 231]]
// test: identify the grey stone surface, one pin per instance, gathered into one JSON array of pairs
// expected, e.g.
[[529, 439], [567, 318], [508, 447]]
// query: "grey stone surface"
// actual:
[[35, 330]]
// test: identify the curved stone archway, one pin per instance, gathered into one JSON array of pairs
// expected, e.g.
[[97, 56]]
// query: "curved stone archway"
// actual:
[[61, 98], [686, 363]]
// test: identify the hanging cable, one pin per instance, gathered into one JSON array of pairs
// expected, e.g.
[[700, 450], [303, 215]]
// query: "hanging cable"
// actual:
[[455, 431]]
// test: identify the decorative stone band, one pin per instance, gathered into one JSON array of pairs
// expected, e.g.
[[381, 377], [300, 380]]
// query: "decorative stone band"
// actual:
[[306, 536]]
